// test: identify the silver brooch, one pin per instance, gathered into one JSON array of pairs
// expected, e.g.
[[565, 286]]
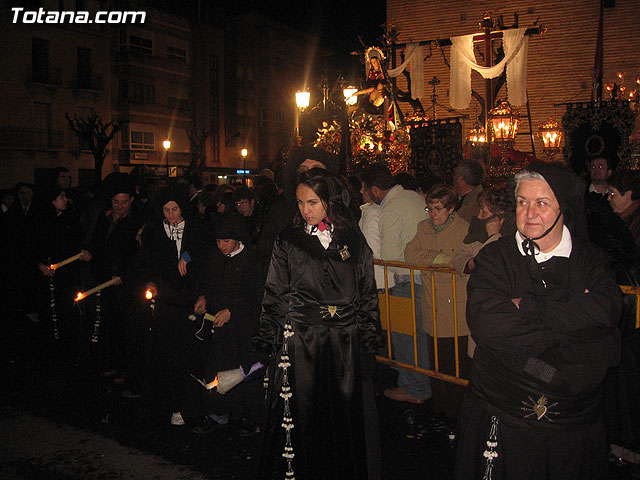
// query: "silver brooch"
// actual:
[[344, 253]]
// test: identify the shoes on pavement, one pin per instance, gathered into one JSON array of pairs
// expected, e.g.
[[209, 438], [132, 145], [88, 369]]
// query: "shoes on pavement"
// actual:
[[400, 395], [129, 394], [176, 419]]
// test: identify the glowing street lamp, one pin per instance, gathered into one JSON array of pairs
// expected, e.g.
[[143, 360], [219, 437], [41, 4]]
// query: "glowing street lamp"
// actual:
[[244, 152], [302, 101], [349, 95], [167, 145]]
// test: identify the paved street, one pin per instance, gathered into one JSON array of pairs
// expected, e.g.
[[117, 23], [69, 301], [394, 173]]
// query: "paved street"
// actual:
[[70, 424]]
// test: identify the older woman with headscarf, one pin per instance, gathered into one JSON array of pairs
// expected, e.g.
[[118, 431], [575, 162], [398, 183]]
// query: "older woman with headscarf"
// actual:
[[543, 308], [320, 316], [434, 244]]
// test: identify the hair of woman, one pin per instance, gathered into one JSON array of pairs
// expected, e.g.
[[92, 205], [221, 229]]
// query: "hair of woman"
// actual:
[[497, 198], [333, 194], [442, 193]]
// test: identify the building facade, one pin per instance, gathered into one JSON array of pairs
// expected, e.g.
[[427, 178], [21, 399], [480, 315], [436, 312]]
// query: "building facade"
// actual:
[[560, 62]]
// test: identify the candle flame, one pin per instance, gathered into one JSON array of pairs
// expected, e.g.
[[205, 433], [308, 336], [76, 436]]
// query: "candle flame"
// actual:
[[212, 384], [80, 296], [148, 295], [52, 266]]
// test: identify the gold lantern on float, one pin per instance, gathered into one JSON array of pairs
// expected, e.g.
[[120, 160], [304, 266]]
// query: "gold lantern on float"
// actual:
[[551, 135], [504, 121], [476, 135]]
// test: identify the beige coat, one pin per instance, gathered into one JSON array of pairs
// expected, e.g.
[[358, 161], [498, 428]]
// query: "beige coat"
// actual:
[[430, 248]]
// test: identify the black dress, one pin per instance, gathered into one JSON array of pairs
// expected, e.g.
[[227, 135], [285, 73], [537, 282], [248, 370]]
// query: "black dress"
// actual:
[[328, 300], [171, 334], [535, 391]]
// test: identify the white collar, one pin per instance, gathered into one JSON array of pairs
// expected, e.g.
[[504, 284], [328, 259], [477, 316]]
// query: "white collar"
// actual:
[[237, 250], [592, 189], [563, 249], [174, 230], [324, 237]]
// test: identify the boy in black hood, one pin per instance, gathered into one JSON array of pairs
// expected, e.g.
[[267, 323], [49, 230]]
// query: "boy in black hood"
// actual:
[[227, 289]]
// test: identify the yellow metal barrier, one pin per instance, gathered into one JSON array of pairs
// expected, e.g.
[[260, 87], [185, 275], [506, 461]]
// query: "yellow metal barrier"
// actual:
[[629, 290], [398, 314]]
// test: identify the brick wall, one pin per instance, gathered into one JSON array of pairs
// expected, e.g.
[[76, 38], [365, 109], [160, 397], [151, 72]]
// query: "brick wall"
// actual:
[[560, 62]]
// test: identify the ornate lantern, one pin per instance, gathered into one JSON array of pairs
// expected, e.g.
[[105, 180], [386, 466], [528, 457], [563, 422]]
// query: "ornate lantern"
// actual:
[[476, 135], [504, 122], [551, 135]]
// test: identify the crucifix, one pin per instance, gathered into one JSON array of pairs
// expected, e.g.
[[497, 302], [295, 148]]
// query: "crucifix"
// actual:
[[488, 35]]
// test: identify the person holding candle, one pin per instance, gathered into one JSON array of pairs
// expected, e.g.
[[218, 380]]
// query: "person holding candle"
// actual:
[[113, 245], [228, 289], [56, 236], [171, 245], [320, 318]]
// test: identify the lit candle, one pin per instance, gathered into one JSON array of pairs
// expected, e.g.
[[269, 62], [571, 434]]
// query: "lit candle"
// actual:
[[66, 261], [102, 286], [148, 294], [212, 384]]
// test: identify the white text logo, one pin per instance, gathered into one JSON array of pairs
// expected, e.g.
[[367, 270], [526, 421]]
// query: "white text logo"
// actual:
[[43, 16]]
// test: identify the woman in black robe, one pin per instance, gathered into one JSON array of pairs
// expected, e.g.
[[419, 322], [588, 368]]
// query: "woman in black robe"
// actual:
[[171, 248], [320, 314], [55, 236], [543, 307]]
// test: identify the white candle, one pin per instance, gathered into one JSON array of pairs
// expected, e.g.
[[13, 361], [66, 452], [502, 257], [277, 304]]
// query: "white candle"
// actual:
[[83, 295], [66, 261]]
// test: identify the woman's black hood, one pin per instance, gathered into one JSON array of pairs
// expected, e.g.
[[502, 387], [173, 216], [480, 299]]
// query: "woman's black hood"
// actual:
[[170, 193]]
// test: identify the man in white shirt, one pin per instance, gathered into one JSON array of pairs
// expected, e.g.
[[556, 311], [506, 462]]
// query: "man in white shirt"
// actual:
[[400, 212]]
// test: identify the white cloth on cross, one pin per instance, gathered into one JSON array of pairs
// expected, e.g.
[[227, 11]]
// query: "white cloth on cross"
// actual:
[[414, 57], [515, 44]]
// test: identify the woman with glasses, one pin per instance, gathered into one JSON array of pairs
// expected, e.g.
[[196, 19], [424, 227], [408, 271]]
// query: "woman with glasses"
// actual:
[[434, 244]]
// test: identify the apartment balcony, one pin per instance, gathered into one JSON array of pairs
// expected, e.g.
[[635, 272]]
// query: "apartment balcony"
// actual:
[[12, 138], [125, 58]]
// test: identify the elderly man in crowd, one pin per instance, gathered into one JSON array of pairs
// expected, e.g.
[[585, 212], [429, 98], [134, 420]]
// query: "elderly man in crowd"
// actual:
[[543, 308]]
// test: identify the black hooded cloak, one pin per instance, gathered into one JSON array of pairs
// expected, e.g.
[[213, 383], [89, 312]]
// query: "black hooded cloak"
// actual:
[[534, 404]]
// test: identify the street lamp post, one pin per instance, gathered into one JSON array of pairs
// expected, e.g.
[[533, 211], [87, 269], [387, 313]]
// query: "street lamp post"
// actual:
[[302, 102], [167, 145], [244, 153]]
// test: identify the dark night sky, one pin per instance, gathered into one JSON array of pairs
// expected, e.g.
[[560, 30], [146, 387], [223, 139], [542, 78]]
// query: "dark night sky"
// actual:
[[336, 23]]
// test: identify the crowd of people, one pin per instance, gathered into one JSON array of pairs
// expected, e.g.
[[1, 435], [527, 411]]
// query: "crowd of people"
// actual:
[[277, 283]]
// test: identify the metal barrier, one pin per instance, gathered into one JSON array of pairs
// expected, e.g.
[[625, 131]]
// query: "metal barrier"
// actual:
[[406, 324]]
